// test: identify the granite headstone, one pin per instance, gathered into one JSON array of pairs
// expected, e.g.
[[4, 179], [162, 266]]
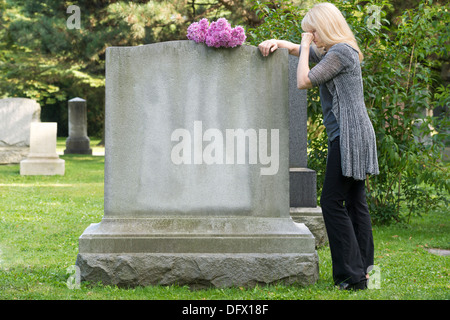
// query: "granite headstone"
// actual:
[[302, 180], [16, 115], [196, 171], [78, 140]]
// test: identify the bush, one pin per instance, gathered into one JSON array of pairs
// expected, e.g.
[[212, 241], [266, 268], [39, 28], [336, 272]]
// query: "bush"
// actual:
[[401, 89]]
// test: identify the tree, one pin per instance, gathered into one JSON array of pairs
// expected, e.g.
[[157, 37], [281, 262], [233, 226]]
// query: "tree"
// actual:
[[43, 58]]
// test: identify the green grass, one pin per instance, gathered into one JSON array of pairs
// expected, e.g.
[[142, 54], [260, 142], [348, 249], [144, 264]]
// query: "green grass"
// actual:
[[42, 217]]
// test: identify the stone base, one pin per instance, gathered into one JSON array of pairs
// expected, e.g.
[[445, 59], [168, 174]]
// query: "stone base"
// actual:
[[302, 187], [313, 219], [78, 151], [10, 155], [198, 251], [42, 166], [78, 146], [198, 270]]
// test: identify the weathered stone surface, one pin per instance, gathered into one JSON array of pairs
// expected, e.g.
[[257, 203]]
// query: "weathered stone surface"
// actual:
[[313, 219], [148, 98], [12, 155], [199, 270], [206, 234], [168, 196], [16, 114]]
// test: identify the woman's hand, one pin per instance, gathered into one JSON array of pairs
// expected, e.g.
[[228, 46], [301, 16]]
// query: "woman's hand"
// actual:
[[307, 38], [267, 47]]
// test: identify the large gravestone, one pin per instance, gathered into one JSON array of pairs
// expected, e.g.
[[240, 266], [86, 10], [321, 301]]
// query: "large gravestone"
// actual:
[[196, 171], [16, 116], [302, 180]]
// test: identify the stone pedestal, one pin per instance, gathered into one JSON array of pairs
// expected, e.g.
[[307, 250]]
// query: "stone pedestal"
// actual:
[[78, 140], [303, 187], [313, 218], [302, 180], [197, 171], [42, 159]]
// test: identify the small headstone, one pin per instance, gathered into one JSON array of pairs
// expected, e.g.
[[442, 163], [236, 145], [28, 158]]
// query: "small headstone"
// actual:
[[78, 141], [42, 159], [16, 115]]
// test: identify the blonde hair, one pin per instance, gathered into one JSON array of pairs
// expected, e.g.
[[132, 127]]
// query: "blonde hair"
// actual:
[[331, 26]]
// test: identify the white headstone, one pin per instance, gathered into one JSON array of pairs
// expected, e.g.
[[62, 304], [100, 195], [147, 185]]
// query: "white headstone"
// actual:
[[42, 159]]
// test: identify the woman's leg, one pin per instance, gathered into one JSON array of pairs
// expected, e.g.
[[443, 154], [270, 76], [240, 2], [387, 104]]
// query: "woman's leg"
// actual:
[[345, 252], [358, 211]]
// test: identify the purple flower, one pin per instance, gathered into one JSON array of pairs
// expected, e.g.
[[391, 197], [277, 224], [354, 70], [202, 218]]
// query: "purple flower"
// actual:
[[217, 34], [197, 31], [202, 29], [192, 31], [237, 36]]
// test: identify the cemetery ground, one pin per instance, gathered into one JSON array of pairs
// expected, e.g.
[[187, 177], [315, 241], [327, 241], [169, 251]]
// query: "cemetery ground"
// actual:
[[41, 218]]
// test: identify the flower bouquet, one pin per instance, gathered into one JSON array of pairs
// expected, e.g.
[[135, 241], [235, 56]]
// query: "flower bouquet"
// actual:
[[217, 34]]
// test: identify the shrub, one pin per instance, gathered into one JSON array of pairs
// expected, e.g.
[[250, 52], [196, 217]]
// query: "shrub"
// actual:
[[401, 90]]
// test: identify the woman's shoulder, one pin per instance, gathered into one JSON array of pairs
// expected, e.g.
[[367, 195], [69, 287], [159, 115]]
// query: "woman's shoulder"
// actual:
[[344, 50]]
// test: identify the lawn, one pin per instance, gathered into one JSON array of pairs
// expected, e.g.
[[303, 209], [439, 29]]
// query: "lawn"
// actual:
[[41, 218]]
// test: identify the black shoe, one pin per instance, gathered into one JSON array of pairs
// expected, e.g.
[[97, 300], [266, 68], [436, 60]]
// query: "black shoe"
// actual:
[[353, 286]]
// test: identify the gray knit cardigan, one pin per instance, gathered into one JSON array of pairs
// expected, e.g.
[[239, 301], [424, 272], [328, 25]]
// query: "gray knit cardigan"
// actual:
[[339, 69]]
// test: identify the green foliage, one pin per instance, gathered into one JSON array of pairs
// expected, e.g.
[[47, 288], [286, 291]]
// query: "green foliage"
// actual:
[[42, 59], [401, 89], [409, 146]]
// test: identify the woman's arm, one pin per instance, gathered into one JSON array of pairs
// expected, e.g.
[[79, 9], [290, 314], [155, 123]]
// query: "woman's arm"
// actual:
[[270, 46], [303, 81], [339, 58]]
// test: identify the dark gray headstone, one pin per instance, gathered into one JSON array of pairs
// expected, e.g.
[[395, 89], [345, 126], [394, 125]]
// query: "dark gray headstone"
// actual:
[[78, 140], [298, 118], [303, 189], [302, 180]]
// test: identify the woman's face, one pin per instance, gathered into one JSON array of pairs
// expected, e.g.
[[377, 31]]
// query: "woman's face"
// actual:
[[317, 40]]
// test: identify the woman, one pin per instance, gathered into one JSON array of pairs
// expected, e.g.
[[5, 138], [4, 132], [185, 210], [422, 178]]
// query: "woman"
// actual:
[[352, 147]]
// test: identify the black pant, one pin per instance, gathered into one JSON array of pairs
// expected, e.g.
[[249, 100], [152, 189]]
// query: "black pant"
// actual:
[[347, 221]]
